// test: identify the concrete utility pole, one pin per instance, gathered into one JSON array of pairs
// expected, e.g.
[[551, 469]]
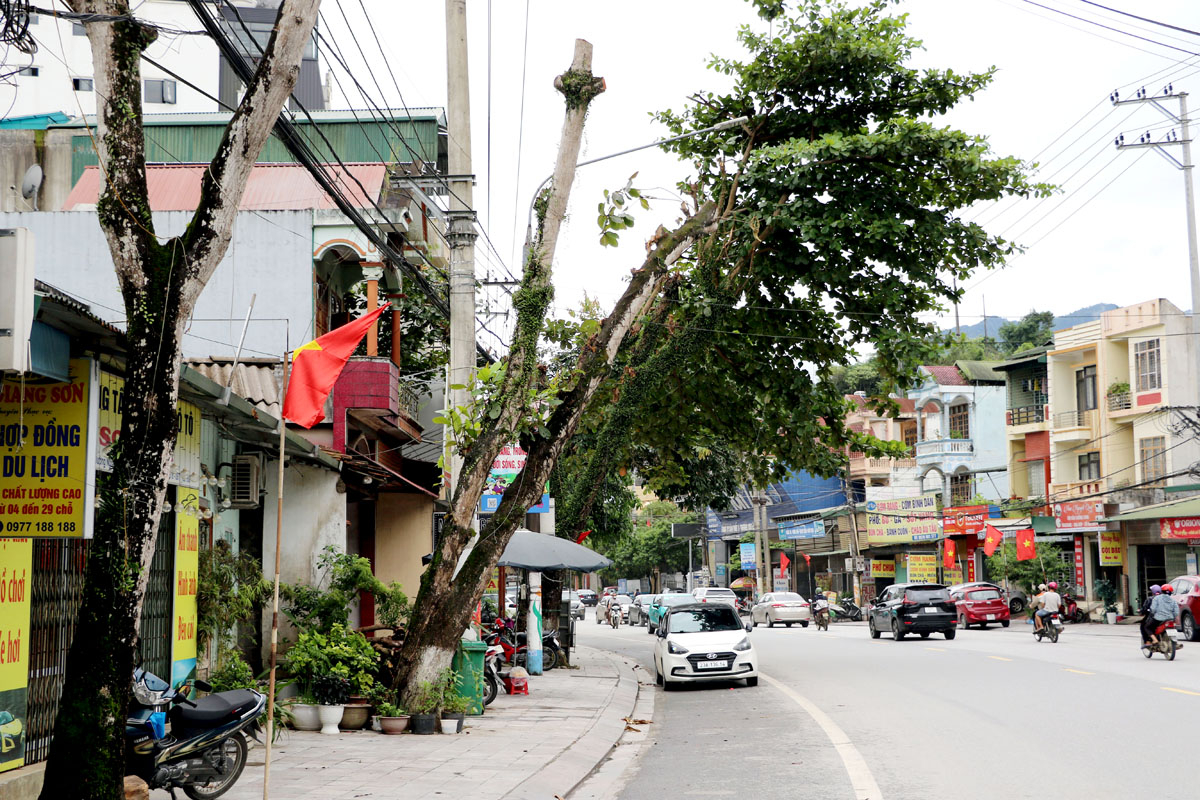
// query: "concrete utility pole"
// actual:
[[461, 233], [761, 554], [1189, 193]]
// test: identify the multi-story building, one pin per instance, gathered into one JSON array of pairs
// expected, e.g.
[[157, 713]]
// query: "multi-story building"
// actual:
[[960, 448], [1027, 423], [882, 478]]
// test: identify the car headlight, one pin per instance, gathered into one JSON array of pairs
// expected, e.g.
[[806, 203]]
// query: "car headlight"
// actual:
[[675, 649], [743, 645]]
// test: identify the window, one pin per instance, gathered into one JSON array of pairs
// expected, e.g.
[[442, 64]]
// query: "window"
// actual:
[[960, 426], [704, 620], [1152, 453], [1033, 385], [28, 72], [910, 436], [1035, 471], [960, 489], [1085, 388], [160, 91], [1148, 365], [77, 29], [81, 84], [1089, 467]]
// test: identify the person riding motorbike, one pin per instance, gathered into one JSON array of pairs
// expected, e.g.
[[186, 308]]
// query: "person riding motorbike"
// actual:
[[1148, 624], [1164, 609], [1051, 603], [820, 608]]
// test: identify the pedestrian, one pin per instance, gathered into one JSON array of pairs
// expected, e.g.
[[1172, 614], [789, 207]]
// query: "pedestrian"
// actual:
[[1147, 617]]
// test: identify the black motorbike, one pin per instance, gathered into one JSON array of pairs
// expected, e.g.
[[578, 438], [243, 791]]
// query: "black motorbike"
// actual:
[[204, 750]]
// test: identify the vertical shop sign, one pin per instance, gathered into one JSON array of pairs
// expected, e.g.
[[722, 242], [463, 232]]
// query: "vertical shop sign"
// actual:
[[47, 485], [1112, 549], [16, 562], [1079, 563], [187, 564]]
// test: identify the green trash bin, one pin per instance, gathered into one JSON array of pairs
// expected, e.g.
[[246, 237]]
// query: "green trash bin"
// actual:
[[468, 663]]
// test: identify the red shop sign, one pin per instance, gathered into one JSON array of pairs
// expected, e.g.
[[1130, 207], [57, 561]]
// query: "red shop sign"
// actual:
[[964, 520], [1077, 514], [1179, 528]]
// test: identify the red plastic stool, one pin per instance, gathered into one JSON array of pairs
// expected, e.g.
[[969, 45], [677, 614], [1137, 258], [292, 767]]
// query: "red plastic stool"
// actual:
[[516, 685]]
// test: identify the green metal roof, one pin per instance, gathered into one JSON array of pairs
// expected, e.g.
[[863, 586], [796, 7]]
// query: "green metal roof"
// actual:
[[1186, 507], [986, 371]]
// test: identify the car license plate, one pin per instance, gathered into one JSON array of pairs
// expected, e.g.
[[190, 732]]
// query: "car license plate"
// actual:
[[991, 616], [712, 665], [931, 610]]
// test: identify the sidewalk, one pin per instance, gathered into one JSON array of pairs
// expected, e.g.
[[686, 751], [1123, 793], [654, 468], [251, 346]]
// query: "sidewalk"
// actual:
[[523, 747]]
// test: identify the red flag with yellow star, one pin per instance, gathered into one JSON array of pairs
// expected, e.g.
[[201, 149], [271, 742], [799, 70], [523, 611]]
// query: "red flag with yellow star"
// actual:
[[1026, 547], [949, 554], [992, 540], [316, 366]]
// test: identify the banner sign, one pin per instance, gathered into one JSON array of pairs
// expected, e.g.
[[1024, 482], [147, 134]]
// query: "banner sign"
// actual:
[[779, 584], [1079, 561], [922, 567], [964, 520], [1179, 528], [883, 569], [112, 391], [505, 468], [47, 477], [1112, 549], [187, 565], [950, 577], [185, 456], [748, 559], [811, 529], [910, 519], [16, 562], [1078, 515]]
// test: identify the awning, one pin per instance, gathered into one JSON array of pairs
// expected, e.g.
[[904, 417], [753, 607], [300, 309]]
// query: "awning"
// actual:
[[543, 551], [1186, 507]]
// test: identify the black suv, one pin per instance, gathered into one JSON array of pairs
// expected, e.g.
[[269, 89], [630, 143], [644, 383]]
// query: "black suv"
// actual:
[[905, 608]]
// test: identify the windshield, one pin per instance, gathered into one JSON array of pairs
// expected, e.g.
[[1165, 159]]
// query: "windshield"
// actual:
[[786, 597], [676, 600], [983, 594], [719, 593], [704, 620], [623, 599], [927, 594]]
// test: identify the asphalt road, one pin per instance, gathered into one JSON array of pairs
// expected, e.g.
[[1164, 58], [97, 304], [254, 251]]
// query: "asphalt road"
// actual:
[[991, 714]]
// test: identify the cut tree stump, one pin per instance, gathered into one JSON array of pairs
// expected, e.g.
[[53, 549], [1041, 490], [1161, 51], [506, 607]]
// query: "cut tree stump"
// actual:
[[136, 788]]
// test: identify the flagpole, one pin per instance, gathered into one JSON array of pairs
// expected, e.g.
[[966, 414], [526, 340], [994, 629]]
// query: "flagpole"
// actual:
[[275, 596]]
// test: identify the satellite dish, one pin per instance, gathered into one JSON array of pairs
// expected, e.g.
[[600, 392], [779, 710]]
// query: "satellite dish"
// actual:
[[31, 183]]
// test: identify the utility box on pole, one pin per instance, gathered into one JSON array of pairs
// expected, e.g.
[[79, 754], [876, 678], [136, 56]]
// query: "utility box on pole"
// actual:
[[16, 298]]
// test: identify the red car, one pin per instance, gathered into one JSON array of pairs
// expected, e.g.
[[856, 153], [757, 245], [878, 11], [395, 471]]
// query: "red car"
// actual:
[[980, 605], [1187, 595]]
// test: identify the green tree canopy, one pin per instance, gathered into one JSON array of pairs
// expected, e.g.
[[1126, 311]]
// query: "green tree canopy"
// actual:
[[1032, 330]]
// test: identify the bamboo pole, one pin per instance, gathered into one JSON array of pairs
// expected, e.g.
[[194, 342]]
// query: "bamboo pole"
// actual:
[[275, 596]]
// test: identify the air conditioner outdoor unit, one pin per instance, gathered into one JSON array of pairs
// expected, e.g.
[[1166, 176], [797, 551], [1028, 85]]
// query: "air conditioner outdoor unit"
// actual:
[[245, 481]]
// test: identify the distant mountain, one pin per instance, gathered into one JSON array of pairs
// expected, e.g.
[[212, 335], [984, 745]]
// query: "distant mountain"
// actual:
[[1077, 317]]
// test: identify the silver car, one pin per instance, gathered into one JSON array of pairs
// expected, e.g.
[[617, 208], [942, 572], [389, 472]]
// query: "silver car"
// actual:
[[577, 609], [638, 610], [785, 607]]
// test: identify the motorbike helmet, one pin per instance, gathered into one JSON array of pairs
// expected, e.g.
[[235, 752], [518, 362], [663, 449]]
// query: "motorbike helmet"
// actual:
[[1169, 589], [1156, 589], [1053, 585], [1041, 587]]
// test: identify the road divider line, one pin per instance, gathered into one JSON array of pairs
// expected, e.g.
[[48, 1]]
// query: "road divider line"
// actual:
[[1078, 671], [1000, 658], [865, 787], [1180, 691], [936, 649]]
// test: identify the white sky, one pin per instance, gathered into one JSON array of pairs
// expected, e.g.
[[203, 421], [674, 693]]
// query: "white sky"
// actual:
[[1109, 237]]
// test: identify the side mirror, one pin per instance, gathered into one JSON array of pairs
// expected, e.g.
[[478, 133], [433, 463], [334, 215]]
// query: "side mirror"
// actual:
[[749, 627]]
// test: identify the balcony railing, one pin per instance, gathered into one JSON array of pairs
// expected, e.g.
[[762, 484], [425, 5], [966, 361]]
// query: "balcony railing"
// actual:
[[410, 399], [1073, 419], [1025, 415], [937, 448], [878, 466], [1120, 402]]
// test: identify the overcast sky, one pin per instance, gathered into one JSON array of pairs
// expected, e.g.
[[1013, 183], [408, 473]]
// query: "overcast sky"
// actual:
[[1116, 233]]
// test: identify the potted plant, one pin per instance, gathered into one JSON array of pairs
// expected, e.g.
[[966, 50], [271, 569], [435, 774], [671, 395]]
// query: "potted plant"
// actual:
[[1106, 590], [339, 653], [392, 719], [331, 693], [423, 708], [454, 712]]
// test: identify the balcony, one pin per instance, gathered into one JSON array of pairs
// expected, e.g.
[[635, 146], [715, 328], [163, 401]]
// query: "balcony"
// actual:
[[1026, 415], [1077, 488], [932, 451], [877, 467], [1068, 425], [1120, 402]]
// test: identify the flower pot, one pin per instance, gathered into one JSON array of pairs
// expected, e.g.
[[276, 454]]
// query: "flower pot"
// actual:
[[330, 716], [392, 725], [423, 724], [452, 721], [1111, 617], [355, 716], [304, 717]]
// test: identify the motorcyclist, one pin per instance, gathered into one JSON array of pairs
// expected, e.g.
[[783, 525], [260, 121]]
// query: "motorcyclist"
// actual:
[[1164, 609], [1148, 618], [820, 607], [1051, 603]]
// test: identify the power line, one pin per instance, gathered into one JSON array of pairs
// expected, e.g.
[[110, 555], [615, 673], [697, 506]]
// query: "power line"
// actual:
[[1143, 19]]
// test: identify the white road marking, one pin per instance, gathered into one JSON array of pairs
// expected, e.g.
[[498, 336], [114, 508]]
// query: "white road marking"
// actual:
[[865, 787]]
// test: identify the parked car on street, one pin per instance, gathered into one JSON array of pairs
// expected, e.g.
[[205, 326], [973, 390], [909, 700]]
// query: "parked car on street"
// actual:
[[1014, 598], [980, 605], [922, 608], [638, 613], [703, 642], [577, 609], [1187, 595], [715, 594], [785, 607], [588, 597], [661, 605]]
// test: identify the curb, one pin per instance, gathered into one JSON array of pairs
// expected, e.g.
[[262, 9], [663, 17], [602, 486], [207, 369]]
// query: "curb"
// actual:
[[580, 757]]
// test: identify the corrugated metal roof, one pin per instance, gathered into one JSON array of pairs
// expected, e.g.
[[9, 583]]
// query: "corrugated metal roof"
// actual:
[[256, 380], [945, 375], [981, 371], [328, 115], [1186, 507], [271, 187]]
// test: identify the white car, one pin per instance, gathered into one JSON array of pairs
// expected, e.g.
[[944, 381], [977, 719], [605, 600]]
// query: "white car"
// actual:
[[715, 594], [703, 643], [785, 607]]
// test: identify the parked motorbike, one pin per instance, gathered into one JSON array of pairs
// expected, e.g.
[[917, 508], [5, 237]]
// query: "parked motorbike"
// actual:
[[204, 752], [846, 609], [515, 647], [1052, 626], [1070, 608], [1166, 644], [491, 673]]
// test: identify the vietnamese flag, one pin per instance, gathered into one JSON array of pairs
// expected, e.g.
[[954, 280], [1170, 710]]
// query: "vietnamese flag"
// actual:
[[992, 540], [949, 553], [579, 539], [316, 366], [1026, 547], [784, 561], [807, 559]]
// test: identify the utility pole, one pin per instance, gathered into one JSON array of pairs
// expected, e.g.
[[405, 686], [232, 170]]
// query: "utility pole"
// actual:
[[461, 218], [1189, 194], [761, 554], [854, 573]]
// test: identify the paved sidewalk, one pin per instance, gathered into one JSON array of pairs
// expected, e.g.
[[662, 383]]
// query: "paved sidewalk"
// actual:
[[532, 747]]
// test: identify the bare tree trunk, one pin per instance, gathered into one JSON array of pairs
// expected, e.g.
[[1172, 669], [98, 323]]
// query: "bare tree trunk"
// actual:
[[160, 282]]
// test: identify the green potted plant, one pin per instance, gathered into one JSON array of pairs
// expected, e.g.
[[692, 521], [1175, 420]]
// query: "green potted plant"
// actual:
[[340, 653], [331, 693], [454, 704], [424, 707], [1106, 590], [392, 719]]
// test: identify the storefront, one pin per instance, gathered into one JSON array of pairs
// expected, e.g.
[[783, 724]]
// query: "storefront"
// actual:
[[1155, 544]]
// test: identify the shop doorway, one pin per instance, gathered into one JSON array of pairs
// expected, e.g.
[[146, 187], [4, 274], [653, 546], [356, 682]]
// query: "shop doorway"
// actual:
[[1152, 567]]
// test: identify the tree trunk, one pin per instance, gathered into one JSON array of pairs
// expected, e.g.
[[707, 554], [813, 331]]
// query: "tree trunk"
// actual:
[[159, 282]]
